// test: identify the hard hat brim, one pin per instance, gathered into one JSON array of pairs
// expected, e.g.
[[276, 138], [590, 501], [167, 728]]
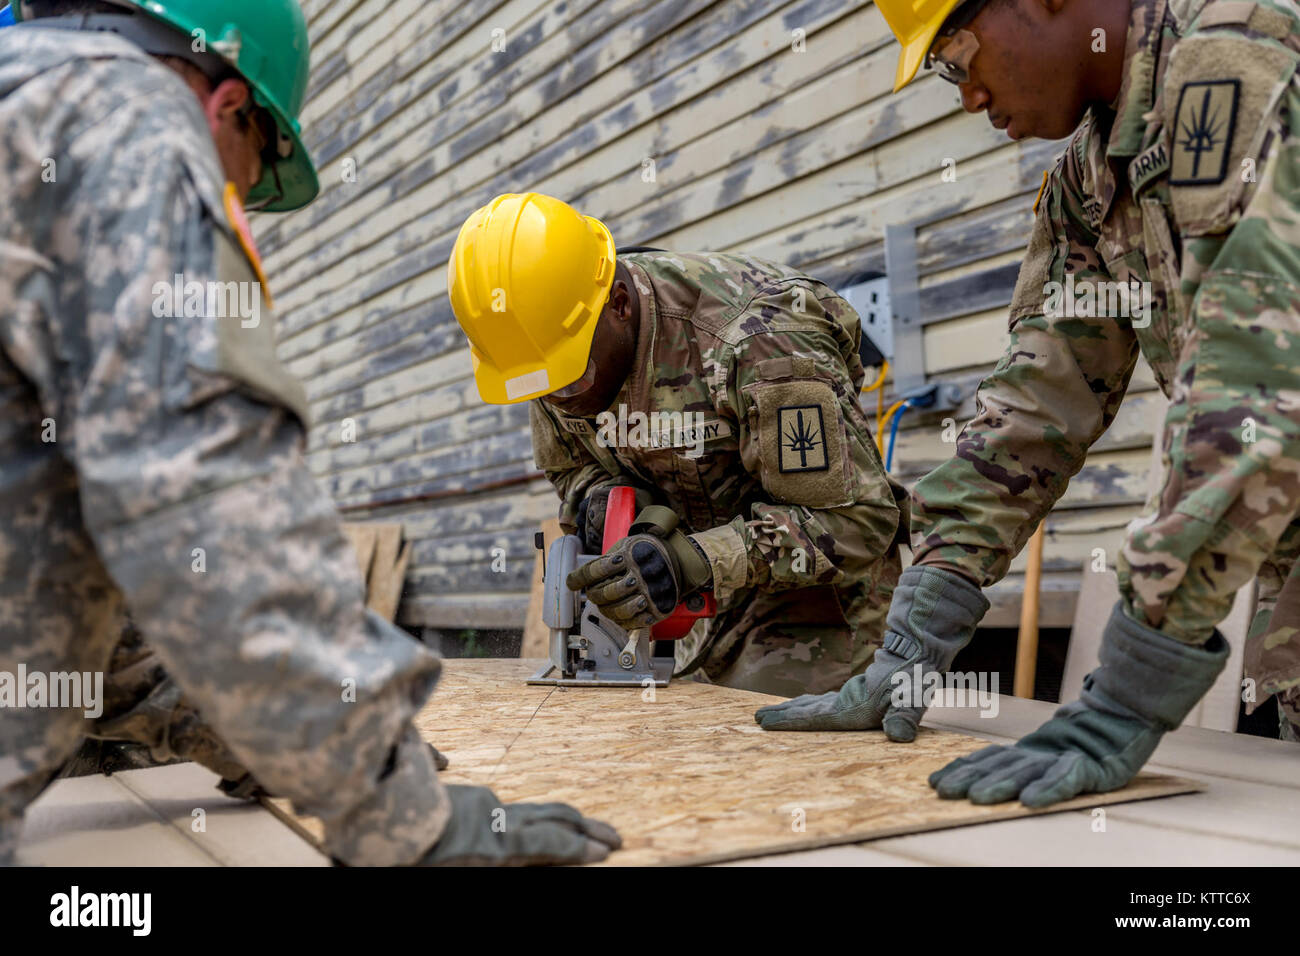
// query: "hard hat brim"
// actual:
[[910, 59], [299, 184], [914, 50], [513, 386]]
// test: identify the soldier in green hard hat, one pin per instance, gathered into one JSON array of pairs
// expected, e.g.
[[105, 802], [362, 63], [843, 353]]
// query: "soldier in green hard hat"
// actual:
[[151, 454], [258, 45]]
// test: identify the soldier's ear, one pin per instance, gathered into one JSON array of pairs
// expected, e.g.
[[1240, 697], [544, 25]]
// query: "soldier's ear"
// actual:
[[226, 100], [631, 299], [620, 298]]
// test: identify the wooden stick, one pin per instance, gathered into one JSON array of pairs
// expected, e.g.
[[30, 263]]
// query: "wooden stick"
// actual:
[[1027, 642]]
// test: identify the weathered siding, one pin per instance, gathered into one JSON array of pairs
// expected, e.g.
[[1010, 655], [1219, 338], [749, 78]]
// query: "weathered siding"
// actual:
[[803, 157]]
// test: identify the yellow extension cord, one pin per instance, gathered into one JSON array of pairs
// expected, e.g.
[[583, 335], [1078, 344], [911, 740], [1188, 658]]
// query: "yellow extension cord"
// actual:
[[883, 423], [879, 388], [883, 417]]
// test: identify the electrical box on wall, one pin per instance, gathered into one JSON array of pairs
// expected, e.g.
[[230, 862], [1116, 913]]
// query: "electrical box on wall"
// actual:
[[869, 297]]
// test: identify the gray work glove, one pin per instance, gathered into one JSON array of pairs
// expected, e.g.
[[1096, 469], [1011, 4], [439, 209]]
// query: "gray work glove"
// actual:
[[643, 577], [483, 831], [1146, 684], [933, 616]]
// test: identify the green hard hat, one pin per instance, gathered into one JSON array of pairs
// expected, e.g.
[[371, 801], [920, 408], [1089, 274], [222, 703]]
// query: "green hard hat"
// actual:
[[265, 41]]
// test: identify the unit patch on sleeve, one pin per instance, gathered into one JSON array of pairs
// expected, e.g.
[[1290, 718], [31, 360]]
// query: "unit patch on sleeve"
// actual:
[[797, 435], [803, 439], [1205, 122]]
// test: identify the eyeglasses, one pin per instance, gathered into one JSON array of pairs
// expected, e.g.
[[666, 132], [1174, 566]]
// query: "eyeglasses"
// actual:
[[951, 56], [271, 144], [955, 47], [581, 386]]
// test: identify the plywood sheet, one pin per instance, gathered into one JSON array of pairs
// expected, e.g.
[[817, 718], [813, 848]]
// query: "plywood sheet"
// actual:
[[688, 777]]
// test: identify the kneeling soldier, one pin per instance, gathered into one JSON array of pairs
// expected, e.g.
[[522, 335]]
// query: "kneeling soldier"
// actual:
[[726, 388]]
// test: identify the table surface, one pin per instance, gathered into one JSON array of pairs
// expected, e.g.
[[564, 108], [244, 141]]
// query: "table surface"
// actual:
[[1246, 816]]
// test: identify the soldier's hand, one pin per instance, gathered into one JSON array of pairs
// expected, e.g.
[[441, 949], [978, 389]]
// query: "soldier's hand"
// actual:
[[933, 615], [641, 579], [483, 831], [1146, 684]]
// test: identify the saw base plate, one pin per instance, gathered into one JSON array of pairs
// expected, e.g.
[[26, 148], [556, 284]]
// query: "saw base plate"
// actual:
[[661, 672]]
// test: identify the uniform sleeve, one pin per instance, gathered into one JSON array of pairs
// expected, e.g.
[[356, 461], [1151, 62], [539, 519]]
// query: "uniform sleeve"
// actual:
[[827, 512], [1232, 432], [195, 492], [567, 464], [1053, 393]]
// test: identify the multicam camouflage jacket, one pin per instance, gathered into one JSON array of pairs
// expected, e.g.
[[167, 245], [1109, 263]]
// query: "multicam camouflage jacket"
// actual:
[[1188, 187], [742, 412]]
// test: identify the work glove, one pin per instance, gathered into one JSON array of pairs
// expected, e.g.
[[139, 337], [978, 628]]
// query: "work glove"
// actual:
[[933, 616], [483, 831], [1146, 684], [644, 576], [591, 514]]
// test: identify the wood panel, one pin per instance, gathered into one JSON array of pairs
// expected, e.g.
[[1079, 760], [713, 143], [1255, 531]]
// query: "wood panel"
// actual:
[[688, 778]]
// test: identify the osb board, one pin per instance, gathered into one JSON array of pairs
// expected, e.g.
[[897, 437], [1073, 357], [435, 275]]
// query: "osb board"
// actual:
[[689, 778]]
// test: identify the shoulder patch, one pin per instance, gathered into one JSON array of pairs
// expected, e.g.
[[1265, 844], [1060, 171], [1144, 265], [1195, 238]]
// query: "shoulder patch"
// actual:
[[1204, 125], [803, 439], [802, 446], [1220, 94]]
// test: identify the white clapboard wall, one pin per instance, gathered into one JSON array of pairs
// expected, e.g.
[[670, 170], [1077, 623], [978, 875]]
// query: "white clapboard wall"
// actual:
[[771, 129]]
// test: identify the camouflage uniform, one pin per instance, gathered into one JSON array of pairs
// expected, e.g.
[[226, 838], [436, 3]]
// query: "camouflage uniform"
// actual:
[[1188, 183], [174, 434], [147, 722], [788, 498]]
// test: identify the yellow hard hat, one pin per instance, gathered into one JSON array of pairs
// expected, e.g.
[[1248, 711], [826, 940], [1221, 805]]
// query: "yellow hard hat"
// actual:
[[915, 24], [527, 279]]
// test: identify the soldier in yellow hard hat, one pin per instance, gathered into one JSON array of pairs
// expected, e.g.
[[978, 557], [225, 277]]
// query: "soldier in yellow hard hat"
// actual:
[[725, 387], [528, 279], [1179, 181]]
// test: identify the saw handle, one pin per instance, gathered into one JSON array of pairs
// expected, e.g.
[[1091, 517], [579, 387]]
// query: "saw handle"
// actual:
[[620, 512]]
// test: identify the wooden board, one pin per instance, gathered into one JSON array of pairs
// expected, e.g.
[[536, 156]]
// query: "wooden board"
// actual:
[[362, 537], [383, 561], [537, 635], [689, 778]]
